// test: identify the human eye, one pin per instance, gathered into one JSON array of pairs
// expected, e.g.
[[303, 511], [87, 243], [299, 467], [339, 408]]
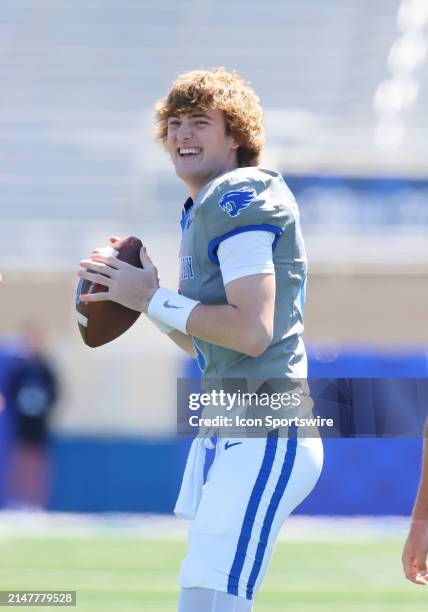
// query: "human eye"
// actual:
[[173, 122]]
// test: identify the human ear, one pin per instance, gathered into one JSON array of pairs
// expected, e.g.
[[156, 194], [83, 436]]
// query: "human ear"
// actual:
[[234, 144]]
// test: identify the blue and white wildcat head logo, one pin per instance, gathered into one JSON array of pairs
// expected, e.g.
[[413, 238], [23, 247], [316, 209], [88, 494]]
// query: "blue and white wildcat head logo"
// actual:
[[234, 202]]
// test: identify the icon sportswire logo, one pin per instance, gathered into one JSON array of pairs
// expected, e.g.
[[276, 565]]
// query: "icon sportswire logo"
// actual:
[[168, 305]]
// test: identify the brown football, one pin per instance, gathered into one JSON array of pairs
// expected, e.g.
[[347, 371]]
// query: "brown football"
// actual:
[[102, 322]]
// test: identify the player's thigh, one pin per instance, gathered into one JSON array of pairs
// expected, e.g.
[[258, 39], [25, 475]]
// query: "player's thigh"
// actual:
[[231, 479], [257, 470]]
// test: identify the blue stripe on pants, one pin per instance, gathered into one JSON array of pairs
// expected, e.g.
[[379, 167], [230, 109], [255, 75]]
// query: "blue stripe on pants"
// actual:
[[250, 514], [277, 495]]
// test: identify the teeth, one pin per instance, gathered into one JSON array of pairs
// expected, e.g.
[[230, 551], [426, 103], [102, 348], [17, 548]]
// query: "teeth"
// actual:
[[188, 151]]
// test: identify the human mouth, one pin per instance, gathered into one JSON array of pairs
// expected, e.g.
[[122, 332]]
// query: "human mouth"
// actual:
[[188, 152]]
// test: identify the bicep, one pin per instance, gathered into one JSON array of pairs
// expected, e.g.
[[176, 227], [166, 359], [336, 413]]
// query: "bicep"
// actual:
[[253, 295], [248, 274]]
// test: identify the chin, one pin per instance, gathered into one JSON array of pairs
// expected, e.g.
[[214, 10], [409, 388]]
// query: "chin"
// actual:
[[189, 177]]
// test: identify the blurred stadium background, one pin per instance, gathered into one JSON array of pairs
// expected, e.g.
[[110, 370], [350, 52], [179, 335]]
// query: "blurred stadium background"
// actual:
[[344, 85]]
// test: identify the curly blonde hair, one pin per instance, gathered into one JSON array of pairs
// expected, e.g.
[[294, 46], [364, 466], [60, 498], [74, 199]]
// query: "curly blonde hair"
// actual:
[[217, 89]]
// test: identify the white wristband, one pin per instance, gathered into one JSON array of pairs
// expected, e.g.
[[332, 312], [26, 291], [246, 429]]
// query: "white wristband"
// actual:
[[162, 327], [171, 308]]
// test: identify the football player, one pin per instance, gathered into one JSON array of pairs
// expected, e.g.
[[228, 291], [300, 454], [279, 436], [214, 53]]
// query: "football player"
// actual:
[[416, 547], [239, 311]]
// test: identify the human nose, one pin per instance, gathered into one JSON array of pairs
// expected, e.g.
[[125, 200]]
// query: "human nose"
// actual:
[[184, 131]]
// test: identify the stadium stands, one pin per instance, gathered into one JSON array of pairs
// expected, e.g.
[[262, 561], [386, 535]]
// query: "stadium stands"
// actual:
[[80, 80]]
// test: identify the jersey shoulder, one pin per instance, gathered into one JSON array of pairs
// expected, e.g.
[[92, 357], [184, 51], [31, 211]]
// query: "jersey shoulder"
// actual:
[[247, 198]]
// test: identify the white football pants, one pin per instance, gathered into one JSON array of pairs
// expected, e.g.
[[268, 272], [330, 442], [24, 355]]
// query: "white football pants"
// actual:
[[253, 486]]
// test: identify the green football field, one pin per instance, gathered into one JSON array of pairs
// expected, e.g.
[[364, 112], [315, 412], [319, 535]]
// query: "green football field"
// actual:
[[124, 574]]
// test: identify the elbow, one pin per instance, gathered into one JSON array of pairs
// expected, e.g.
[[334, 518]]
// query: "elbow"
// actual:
[[258, 341]]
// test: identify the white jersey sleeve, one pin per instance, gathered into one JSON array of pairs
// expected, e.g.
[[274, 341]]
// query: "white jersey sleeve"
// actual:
[[246, 253]]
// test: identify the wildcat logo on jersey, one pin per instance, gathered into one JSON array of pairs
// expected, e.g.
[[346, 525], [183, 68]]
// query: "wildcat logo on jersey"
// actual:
[[186, 268], [234, 202]]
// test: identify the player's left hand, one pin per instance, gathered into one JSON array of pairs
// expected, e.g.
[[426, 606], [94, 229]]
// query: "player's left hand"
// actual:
[[127, 285], [415, 553]]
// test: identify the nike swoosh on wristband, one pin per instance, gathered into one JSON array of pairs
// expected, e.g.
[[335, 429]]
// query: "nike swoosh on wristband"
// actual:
[[229, 445], [168, 305]]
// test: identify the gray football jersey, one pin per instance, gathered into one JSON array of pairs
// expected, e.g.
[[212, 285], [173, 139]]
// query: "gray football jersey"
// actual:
[[245, 200]]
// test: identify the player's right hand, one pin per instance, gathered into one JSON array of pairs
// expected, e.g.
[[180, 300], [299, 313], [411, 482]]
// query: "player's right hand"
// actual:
[[415, 552]]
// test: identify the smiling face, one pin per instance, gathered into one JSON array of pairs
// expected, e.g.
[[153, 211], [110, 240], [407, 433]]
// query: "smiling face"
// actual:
[[200, 147]]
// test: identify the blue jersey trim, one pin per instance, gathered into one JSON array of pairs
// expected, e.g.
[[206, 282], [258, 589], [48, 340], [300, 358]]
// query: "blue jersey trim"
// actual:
[[214, 243], [303, 295], [185, 212], [277, 495], [250, 514], [202, 363]]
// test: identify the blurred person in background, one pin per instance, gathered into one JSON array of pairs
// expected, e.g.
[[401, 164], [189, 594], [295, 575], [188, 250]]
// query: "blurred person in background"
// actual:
[[32, 391], [416, 547]]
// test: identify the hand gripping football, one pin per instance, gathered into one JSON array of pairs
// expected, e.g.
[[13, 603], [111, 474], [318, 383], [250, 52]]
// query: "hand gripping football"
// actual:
[[102, 322]]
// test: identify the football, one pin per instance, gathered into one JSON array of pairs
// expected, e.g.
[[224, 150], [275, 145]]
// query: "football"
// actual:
[[102, 322]]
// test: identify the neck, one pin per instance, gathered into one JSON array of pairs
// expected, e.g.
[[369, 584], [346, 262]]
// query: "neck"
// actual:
[[195, 187]]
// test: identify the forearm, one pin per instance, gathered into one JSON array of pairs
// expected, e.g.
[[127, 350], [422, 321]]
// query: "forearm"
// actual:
[[244, 323], [225, 325], [221, 325], [184, 341], [420, 510]]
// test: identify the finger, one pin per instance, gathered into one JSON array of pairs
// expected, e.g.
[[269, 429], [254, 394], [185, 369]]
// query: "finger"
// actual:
[[145, 259], [100, 279], [421, 561], [114, 239], [407, 565], [93, 266], [108, 251], [417, 578], [408, 560], [411, 570], [113, 262], [102, 296]]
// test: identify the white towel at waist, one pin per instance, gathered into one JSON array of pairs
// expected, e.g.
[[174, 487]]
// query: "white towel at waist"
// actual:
[[193, 479]]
